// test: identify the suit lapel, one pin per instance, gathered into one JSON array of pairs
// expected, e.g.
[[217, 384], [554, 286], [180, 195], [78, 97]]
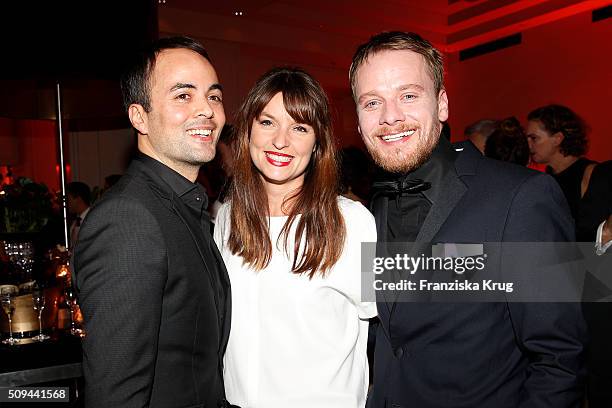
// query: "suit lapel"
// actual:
[[225, 282], [451, 191], [448, 195]]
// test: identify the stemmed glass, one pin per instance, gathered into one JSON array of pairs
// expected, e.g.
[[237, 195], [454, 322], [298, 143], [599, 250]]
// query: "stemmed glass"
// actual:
[[7, 295], [38, 300], [71, 300]]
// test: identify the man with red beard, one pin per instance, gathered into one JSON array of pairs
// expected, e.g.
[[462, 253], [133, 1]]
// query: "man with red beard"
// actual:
[[495, 354]]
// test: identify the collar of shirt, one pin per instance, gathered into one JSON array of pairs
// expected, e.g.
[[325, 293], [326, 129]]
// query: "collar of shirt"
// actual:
[[440, 163], [84, 214], [192, 194], [407, 211]]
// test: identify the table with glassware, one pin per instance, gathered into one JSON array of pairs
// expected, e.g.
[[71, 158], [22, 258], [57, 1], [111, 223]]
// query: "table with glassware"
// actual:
[[39, 324], [49, 355]]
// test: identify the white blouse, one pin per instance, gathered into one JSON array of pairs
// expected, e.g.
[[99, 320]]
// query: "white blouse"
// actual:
[[296, 342]]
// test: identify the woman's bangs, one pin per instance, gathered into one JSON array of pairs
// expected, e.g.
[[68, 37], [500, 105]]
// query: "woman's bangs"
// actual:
[[300, 106]]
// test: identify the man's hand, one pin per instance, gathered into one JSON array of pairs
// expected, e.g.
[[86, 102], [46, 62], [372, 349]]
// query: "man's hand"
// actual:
[[606, 233]]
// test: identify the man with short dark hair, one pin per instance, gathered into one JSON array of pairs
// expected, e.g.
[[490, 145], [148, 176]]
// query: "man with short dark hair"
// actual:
[[467, 355], [152, 286], [78, 200]]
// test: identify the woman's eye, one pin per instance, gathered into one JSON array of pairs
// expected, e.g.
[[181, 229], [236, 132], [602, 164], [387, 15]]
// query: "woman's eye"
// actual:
[[265, 122], [215, 98], [301, 129]]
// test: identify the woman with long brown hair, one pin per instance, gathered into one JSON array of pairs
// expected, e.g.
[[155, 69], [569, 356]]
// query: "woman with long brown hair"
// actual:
[[292, 246]]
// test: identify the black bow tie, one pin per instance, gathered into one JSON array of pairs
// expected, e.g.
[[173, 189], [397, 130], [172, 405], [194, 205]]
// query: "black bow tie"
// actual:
[[401, 186]]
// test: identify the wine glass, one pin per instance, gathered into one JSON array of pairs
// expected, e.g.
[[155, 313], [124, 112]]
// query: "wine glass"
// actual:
[[38, 301], [71, 300], [7, 295]]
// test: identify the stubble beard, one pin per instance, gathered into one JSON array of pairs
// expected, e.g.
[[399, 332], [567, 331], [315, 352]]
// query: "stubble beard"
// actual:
[[206, 152], [185, 160], [409, 156], [200, 158]]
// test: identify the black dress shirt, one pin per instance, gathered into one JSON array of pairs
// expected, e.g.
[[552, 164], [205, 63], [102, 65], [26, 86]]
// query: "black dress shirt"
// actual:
[[195, 199], [407, 211]]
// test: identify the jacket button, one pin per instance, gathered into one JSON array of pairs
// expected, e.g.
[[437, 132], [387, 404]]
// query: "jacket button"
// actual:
[[399, 352]]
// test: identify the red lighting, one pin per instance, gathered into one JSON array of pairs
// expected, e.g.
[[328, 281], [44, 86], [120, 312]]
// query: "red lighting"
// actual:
[[523, 24]]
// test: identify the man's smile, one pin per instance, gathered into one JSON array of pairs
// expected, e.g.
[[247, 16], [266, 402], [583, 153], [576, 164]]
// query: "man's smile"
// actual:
[[397, 136]]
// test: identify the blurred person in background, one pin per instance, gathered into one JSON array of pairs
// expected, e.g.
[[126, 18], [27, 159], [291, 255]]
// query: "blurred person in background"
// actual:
[[110, 181], [355, 174], [557, 138], [508, 143], [594, 223], [78, 200], [223, 167], [479, 131]]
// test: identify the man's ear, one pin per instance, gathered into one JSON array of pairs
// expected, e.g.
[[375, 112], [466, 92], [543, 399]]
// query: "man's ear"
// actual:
[[359, 130], [139, 118], [442, 106]]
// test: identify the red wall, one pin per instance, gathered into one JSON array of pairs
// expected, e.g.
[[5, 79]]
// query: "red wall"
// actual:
[[568, 62], [37, 150]]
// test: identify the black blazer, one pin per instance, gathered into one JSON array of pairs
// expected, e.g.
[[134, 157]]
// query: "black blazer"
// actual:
[[478, 355], [155, 333]]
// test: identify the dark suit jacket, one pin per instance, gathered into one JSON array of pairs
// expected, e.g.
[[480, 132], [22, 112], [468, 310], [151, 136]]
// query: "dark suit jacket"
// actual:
[[478, 355], [155, 336]]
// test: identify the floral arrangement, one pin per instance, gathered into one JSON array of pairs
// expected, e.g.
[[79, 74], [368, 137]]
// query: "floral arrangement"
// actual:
[[25, 206]]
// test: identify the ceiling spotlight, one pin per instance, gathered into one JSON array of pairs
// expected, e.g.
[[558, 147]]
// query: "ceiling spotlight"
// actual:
[[238, 13]]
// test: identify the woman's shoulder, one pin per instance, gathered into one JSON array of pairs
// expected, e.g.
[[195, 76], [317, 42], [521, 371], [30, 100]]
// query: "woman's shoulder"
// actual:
[[222, 219], [224, 210], [354, 210]]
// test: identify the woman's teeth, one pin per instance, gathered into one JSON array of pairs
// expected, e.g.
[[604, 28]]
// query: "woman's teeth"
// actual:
[[278, 158], [397, 136]]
